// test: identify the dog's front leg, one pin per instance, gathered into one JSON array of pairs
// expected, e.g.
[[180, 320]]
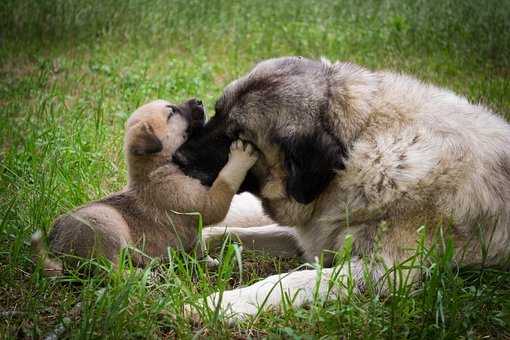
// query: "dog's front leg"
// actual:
[[288, 290]]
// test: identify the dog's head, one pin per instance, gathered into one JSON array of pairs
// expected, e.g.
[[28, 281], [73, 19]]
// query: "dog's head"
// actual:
[[290, 109], [158, 128]]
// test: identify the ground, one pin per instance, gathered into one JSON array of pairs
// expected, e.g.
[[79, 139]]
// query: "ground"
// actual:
[[72, 71]]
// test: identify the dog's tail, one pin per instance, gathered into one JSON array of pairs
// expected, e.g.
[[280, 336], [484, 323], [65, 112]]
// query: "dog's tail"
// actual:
[[51, 267]]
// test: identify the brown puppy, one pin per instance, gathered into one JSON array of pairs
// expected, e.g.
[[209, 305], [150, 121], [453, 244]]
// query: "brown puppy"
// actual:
[[155, 210]]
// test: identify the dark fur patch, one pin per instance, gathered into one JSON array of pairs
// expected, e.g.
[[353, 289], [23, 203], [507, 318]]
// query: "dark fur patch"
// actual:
[[193, 111], [205, 153], [310, 161]]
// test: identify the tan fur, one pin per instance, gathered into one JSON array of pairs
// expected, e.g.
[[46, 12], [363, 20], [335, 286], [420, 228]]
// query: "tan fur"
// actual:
[[158, 208]]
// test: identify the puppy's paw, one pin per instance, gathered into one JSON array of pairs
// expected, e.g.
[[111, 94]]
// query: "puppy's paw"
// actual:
[[243, 152]]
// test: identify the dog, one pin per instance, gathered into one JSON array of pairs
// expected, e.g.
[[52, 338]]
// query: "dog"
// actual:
[[158, 208], [369, 156]]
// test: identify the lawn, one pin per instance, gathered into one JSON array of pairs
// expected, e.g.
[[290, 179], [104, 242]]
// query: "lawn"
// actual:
[[71, 72]]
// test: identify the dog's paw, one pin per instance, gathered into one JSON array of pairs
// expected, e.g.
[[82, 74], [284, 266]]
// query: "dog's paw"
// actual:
[[243, 152], [232, 308]]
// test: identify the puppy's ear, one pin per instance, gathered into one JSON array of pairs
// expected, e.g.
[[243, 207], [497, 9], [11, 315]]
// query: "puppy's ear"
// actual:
[[310, 161], [144, 141]]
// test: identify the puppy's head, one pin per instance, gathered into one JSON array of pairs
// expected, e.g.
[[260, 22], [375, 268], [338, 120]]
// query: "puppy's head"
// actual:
[[157, 129]]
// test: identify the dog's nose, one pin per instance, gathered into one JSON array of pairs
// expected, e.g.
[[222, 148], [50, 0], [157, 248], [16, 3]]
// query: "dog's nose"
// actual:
[[198, 116], [195, 102], [198, 119]]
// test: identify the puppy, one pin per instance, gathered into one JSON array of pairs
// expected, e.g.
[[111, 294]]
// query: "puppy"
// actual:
[[159, 206]]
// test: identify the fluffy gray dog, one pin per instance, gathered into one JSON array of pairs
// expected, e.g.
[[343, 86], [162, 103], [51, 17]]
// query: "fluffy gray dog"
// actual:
[[346, 151]]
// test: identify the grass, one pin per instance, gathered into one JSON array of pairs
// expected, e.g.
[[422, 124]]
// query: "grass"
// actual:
[[72, 71]]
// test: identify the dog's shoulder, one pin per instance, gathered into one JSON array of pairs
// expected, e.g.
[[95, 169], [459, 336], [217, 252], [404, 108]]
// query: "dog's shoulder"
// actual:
[[407, 162]]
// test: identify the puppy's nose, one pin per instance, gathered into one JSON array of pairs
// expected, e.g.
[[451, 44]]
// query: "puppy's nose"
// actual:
[[199, 102]]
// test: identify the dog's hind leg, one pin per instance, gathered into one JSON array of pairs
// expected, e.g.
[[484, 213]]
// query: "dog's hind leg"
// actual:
[[272, 239]]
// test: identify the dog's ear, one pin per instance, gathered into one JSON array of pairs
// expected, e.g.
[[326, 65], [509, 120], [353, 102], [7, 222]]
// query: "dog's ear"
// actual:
[[144, 141], [310, 161]]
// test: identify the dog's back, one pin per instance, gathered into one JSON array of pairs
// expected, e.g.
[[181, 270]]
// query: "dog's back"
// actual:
[[472, 170], [426, 157]]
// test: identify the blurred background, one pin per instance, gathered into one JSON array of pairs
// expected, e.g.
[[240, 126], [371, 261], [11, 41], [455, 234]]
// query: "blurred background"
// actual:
[[71, 72]]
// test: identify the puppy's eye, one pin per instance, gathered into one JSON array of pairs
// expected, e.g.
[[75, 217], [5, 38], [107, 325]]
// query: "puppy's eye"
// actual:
[[171, 111]]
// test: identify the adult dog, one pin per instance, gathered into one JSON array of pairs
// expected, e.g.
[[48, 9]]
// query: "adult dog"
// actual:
[[348, 151]]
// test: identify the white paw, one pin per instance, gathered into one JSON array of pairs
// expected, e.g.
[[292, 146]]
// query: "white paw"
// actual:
[[232, 308], [243, 152]]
